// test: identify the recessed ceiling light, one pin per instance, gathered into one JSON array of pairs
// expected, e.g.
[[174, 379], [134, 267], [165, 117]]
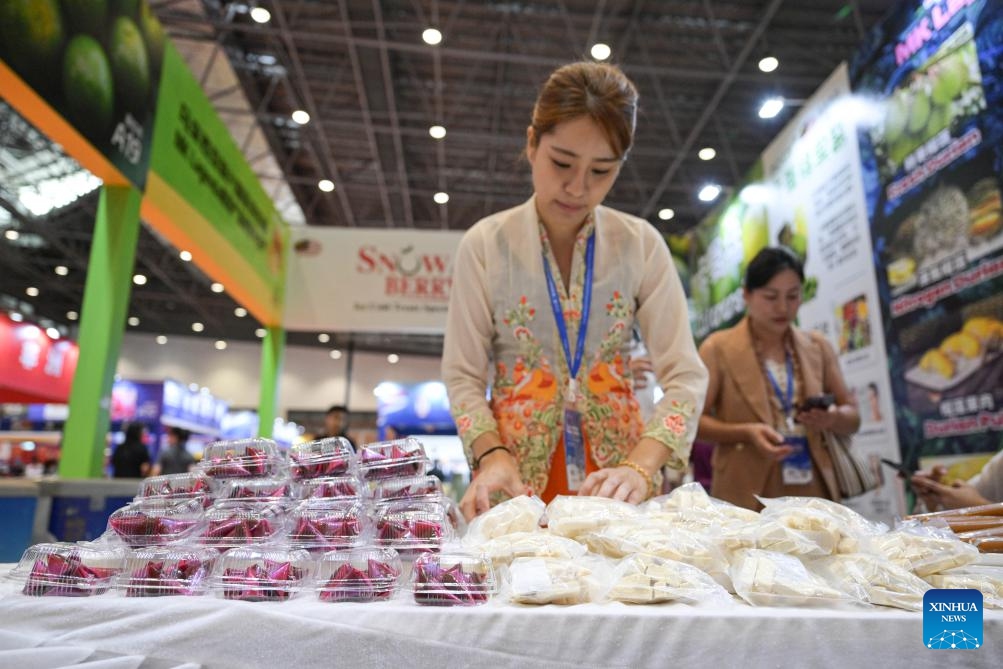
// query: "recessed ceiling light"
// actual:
[[217, 287], [261, 15], [600, 51], [31, 291], [393, 358], [771, 107], [72, 315], [16, 317], [186, 256], [768, 64], [161, 339], [194, 387], [12, 234], [437, 131], [709, 192], [260, 333], [323, 337], [441, 198], [336, 354], [197, 327], [325, 185], [220, 344], [133, 321], [52, 332], [301, 117], [62, 270], [240, 312], [666, 214], [139, 280], [431, 36], [707, 153]]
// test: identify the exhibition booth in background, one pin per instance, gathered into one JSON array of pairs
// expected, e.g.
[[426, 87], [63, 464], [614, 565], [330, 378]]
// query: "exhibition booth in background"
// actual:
[[887, 183]]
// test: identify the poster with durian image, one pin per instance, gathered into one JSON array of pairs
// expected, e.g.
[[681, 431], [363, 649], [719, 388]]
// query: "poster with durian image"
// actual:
[[97, 64]]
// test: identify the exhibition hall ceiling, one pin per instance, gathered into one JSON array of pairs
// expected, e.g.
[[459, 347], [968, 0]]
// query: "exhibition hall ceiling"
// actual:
[[372, 88]]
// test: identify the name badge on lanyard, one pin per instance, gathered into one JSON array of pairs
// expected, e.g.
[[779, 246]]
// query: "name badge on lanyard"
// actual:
[[574, 444], [796, 467]]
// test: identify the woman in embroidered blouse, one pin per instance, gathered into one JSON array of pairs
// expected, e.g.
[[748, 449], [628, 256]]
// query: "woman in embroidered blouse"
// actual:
[[761, 371], [526, 280]]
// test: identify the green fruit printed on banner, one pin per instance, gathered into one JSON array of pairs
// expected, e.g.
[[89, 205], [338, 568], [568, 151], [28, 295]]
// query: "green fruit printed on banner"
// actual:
[[86, 16], [130, 65], [88, 87], [755, 233], [153, 32], [32, 34], [919, 113], [950, 79], [896, 116]]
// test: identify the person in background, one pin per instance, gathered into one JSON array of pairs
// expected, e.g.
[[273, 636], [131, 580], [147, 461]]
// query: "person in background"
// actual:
[[986, 487], [873, 403], [131, 460], [437, 471], [546, 295], [768, 443], [175, 459], [336, 424]]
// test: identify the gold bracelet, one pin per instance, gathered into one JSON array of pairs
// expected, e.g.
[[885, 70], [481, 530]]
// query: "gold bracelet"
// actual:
[[630, 464]]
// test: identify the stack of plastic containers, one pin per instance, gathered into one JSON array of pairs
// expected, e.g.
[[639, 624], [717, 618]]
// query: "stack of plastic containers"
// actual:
[[252, 524]]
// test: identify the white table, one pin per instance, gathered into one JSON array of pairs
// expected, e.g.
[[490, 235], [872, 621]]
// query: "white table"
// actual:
[[399, 634]]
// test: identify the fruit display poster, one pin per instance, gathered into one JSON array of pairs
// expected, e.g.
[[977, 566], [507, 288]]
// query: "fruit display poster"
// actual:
[[97, 63], [932, 159]]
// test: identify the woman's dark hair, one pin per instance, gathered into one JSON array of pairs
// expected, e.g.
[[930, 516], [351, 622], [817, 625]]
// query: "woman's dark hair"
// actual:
[[134, 433], [768, 263]]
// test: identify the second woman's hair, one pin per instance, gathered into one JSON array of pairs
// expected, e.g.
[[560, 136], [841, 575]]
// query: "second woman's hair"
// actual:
[[768, 263], [599, 91]]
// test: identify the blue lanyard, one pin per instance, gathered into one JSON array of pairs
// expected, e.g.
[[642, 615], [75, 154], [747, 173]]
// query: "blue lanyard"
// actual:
[[785, 402], [555, 305]]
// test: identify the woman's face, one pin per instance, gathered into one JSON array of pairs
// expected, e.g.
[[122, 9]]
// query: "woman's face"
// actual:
[[774, 307], [574, 167]]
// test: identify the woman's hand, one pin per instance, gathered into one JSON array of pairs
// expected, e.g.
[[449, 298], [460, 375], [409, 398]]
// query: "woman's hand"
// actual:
[[767, 441], [935, 494], [818, 419], [499, 471], [639, 368], [620, 483]]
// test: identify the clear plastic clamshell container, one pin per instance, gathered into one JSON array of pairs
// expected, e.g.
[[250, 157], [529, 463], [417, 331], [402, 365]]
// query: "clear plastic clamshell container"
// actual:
[[259, 574], [330, 487], [452, 578], [322, 458], [159, 571], [191, 485], [328, 524], [392, 459], [271, 489], [364, 574], [154, 521], [408, 488], [67, 570], [413, 526], [241, 459], [231, 524]]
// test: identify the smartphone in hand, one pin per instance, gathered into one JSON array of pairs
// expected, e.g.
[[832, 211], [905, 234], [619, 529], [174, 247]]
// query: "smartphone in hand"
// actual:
[[822, 402], [903, 471]]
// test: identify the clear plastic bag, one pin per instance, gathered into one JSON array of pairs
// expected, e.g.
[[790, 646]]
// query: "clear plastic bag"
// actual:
[[519, 514], [502, 550], [827, 522], [872, 579], [534, 580], [922, 549], [771, 535], [988, 580], [649, 579], [573, 516], [766, 578]]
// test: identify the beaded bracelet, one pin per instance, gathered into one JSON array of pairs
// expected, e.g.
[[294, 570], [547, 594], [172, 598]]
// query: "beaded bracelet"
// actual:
[[477, 460], [630, 464]]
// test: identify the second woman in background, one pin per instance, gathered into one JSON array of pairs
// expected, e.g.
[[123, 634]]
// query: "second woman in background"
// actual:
[[765, 406]]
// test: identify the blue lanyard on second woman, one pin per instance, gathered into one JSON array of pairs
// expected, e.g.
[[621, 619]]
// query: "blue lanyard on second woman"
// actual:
[[574, 448], [786, 401]]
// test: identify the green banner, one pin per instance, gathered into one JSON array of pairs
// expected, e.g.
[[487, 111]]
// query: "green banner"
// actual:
[[97, 64], [197, 168]]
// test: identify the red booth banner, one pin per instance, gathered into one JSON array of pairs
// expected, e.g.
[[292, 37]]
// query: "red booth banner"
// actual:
[[33, 367]]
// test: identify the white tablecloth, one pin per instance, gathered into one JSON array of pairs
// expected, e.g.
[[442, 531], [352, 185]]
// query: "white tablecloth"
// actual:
[[171, 631]]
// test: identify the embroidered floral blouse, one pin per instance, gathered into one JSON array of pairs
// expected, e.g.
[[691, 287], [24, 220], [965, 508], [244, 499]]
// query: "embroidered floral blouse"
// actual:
[[501, 326]]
